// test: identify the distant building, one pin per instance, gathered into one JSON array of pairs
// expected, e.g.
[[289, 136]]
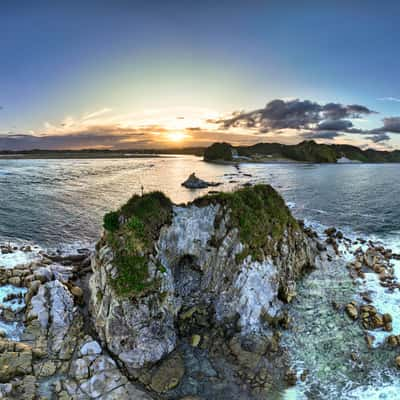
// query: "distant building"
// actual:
[[345, 160]]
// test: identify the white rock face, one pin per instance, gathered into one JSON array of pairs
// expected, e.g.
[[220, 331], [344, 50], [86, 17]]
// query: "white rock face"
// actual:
[[61, 313], [96, 376], [198, 251], [40, 308], [256, 291], [191, 229], [89, 348], [139, 332], [53, 306]]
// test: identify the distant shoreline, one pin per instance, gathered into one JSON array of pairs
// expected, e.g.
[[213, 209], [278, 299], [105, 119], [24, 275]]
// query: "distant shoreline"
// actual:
[[78, 155], [238, 162], [98, 154]]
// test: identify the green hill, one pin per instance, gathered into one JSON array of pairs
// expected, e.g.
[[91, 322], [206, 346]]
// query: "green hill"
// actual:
[[306, 151]]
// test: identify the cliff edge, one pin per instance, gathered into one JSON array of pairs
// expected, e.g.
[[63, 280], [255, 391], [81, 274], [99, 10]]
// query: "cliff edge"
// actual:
[[224, 265]]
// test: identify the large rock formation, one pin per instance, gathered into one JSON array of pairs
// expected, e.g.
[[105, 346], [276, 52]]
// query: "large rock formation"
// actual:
[[52, 354], [162, 271], [183, 301]]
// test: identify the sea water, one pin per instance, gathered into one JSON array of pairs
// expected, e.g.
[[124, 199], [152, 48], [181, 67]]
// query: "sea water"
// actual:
[[60, 204]]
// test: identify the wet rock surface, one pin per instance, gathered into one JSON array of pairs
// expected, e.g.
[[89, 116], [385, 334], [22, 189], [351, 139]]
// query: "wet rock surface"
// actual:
[[340, 337], [54, 356], [221, 323], [215, 305]]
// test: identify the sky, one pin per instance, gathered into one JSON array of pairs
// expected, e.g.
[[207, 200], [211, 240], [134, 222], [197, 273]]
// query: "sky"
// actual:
[[153, 74]]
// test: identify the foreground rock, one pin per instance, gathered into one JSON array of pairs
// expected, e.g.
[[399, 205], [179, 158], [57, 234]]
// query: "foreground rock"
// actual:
[[217, 273], [56, 358]]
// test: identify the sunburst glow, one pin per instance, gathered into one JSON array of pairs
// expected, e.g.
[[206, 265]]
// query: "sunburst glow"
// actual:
[[176, 136]]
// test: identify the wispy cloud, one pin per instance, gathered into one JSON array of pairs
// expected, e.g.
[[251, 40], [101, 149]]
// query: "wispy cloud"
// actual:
[[96, 114], [379, 137], [396, 99]]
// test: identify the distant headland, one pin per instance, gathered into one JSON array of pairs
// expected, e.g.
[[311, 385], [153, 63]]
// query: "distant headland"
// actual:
[[306, 151]]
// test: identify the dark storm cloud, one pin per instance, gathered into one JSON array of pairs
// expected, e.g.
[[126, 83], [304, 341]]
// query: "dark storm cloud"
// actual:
[[329, 135], [335, 125], [379, 137], [391, 124], [297, 114], [340, 111]]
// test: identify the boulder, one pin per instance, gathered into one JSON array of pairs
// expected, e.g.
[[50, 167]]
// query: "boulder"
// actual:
[[14, 360], [193, 182], [352, 310], [168, 375]]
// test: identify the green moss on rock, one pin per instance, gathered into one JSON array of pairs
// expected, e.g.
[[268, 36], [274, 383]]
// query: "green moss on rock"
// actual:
[[259, 213], [111, 221], [133, 240]]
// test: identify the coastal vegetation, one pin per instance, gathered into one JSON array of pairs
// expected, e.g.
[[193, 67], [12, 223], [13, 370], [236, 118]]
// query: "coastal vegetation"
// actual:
[[306, 151], [131, 232], [259, 213], [218, 151]]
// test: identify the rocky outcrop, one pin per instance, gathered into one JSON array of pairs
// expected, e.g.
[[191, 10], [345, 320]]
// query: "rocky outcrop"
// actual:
[[138, 331], [56, 358], [229, 260], [180, 297], [193, 182]]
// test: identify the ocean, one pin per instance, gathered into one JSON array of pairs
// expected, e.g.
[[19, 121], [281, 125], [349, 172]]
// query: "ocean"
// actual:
[[59, 204]]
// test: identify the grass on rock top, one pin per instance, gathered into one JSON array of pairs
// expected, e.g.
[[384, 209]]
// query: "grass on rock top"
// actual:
[[259, 213], [131, 232]]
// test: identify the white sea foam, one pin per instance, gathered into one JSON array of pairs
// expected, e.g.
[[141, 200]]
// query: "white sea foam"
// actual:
[[380, 391], [18, 258], [14, 305], [12, 329], [383, 386]]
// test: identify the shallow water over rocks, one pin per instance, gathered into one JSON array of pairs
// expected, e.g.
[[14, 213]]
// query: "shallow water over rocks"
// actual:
[[330, 347], [11, 300]]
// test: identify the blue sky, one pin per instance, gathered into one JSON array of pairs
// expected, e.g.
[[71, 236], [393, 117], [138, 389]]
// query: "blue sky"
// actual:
[[145, 73]]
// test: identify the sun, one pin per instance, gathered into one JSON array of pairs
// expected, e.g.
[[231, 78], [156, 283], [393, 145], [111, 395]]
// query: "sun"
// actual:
[[176, 136]]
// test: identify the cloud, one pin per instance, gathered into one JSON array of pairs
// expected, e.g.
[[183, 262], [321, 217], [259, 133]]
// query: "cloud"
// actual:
[[96, 114], [339, 111], [379, 137], [100, 137], [395, 99], [281, 120], [296, 114], [391, 124], [329, 135], [335, 125]]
